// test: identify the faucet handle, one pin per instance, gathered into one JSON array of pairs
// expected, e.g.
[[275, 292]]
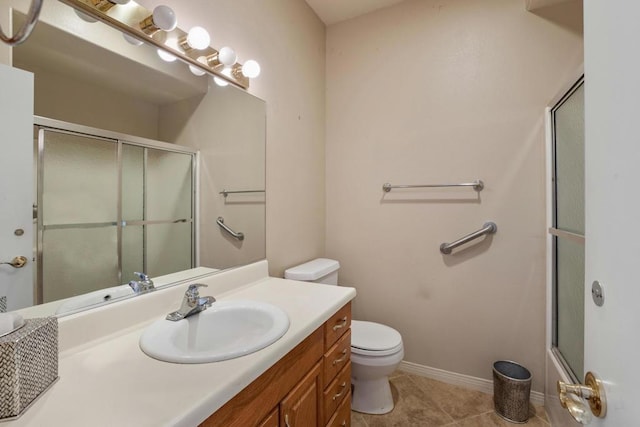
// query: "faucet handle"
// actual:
[[142, 276], [193, 289]]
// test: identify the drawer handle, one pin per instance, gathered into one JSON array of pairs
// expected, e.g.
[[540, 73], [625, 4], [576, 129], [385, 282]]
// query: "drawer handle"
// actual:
[[344, 423], [340, 360], [286, 420], [342, 386], [341, 325]]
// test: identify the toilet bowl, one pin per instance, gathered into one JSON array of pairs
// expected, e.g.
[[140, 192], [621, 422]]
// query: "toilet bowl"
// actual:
[[376, 349]]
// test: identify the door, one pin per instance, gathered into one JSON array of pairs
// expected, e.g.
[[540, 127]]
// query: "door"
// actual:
[[16, 187], [612, 204], [300, 408]]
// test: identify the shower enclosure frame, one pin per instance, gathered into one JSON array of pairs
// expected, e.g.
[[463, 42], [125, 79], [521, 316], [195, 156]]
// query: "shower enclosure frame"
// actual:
[[59, 126], [556, 367]]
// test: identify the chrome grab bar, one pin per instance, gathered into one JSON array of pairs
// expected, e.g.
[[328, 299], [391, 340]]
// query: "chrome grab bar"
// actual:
[[488, 228], [225, 193], [23, 33], [237, 235], [477, 185]]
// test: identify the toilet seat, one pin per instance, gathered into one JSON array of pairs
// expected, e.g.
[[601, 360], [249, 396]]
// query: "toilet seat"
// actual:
[[374, 339]]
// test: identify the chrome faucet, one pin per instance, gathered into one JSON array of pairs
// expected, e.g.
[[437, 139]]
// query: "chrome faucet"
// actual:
[[192, 303], [145, 284]]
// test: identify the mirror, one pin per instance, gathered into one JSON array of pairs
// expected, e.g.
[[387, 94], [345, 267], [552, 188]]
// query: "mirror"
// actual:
[[181, 153]]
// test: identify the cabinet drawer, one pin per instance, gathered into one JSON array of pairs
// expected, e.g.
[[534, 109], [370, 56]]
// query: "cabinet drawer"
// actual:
[[335, 393], [336, 326], [336, 358], [342, 417]]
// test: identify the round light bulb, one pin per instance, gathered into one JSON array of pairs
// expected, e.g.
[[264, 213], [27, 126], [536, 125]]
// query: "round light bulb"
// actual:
[[166, 56], [165, 18], [251, 69], [227, 56], [134, 41], [222, 82], [85, 17], [198, 38], [119, 1], [196, 71]]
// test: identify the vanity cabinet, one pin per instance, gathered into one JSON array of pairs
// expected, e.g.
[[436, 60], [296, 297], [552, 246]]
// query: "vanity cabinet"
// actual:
[[309, 387]]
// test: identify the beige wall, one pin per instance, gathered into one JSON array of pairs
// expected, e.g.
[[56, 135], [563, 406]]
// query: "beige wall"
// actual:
[[432, 92], [288, 41]]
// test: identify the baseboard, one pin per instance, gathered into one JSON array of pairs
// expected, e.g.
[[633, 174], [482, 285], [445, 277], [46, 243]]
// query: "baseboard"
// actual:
[[466, 381]]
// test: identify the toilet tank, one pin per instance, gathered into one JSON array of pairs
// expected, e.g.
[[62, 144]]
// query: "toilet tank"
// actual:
[[319, 270]]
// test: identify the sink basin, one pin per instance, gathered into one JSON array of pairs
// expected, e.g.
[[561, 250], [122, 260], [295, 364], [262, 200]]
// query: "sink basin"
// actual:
[[226, 330]]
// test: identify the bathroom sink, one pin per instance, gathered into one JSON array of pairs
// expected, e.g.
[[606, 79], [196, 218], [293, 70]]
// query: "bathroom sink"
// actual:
[[226, 330]]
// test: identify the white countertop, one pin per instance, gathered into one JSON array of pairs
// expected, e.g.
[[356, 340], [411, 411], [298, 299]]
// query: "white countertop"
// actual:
[[106, 380]]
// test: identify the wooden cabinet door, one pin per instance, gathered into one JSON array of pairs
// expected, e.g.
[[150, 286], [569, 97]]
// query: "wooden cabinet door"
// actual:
[[271, 420], [300, 408]]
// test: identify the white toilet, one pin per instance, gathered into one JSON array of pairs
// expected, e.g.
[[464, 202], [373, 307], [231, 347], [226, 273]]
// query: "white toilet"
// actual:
[[376, 350]]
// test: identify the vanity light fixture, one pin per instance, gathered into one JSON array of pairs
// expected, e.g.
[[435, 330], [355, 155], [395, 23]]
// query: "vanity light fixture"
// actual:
[[197, 38], [163, 18], [86, 18], [227, 56], [105, 5], [166, 56], [250, 69], [221, 82], [192, 48], [196, 71], [134, 41]]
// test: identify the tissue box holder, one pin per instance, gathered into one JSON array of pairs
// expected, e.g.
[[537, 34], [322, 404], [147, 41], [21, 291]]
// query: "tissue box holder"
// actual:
[[28, 364]]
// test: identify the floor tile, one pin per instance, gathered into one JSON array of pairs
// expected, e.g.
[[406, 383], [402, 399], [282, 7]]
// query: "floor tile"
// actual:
[[413, 408], [357, 420], [458, 402], [491, 419], [424, 402]]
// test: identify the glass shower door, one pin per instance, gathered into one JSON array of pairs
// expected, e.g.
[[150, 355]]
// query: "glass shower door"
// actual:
[[568, 230], [78, 214], [158, 211]]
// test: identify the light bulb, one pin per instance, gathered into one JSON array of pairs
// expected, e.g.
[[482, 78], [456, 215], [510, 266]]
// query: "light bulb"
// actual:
[[119, 1], [196, 71], [227, 56], [134, 41], [222, 82], [165, 18], [166, 56], [198, 38], [85, 17], [251, 69]]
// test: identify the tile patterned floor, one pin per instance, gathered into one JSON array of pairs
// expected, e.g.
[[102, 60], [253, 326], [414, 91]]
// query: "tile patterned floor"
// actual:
[[423, 402]]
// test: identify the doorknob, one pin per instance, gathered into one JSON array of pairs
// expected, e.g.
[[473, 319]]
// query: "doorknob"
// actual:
[[17, 262], [571, 397]]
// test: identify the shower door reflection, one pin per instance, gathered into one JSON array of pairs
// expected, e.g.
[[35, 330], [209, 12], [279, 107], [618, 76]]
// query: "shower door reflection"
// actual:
[[568, 230], [108, 207]]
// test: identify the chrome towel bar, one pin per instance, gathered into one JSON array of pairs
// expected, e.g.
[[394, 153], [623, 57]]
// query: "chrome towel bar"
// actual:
[[236, 235], [477, 185], [487, 228], [225, 193]]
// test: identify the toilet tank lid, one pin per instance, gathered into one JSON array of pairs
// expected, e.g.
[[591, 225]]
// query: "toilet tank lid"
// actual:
[[312, 270]]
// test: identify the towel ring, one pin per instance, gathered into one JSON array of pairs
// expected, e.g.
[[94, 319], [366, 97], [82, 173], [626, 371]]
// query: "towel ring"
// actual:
[[24, 32]]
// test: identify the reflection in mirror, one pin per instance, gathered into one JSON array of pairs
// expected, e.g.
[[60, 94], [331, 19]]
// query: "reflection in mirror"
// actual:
[[112, 198]]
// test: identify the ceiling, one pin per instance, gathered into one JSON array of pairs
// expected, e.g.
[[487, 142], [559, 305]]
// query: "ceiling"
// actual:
[[332, 11]]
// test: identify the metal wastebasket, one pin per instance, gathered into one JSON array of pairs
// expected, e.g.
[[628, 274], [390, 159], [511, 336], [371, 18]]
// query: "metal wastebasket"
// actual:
[[511, 390]]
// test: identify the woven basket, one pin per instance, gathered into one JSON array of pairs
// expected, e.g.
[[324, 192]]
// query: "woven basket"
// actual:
[[28, 364]]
